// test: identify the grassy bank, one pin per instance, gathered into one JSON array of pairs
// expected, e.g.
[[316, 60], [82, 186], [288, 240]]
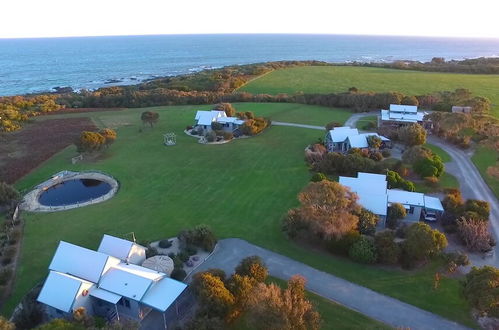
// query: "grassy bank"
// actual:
[[483, 158], [240, 189], [331, 79]]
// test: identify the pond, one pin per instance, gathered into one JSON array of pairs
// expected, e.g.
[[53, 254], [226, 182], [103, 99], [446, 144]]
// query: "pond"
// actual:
[[73, 192]]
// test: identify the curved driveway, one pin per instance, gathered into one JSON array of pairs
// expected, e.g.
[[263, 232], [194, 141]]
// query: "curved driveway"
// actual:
[[396, 313]]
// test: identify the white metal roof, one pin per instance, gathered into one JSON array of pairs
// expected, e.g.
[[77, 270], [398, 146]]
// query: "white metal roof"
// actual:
[[371, 189], [116, 247], [340, 134], [80, 262], [60, 290], [130, 281], [405, 197], [163, 293], [433, 203], [402, 117], [105, 295], [371, 176], [403, 108], [357, 141]]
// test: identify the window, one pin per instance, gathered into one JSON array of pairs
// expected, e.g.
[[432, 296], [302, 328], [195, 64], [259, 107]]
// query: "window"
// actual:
[[411, 210], [127, 303]]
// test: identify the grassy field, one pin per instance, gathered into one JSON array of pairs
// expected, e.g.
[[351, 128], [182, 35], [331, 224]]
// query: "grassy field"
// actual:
[[329, 79], [367, 123], [241, 189], [483, 158], [334, 316]]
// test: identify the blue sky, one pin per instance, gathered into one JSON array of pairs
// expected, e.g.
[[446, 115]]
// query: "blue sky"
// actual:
[[57, 18]]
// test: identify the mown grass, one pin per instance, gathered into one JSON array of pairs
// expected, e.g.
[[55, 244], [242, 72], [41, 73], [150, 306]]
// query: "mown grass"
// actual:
[[367, 123], [483, 158], [329, 79], [333, 316], [240, 189]]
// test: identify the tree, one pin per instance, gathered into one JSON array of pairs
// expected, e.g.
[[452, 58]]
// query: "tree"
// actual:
[[412, 135], [214, 297], [428, 167], [482, 208], [242, 288], [317, 177], [8, 194], [149, 117], [388, 250], [6, 324], [253, 267], [481, 289], [61, 324], [480, 104], [197, 282], [410, 100], [367, 222], [415, 153], [272, 308], [396, 181], [396, 212], [422, 242], [374, 141], [109, 136], [328, 210], [331, 125], [363, 250], [90, 142], [229, 109], [475, 234]]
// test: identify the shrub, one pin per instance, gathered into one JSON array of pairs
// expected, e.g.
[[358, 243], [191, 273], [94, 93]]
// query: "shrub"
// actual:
[[363, 250], [229, 109], [396, 181], [481, 290], [482, 208], [191, 250], [376, 156], [149, 117], [165, 243], [178, 274], [396, 212], [188, 128], [253, 267], [89, 142], [5, 275], [183, 255], [196, 283], [216, 126], [201, 236], [388, 250], [454, 260], [8, 194], [422, 242], [151, 252], [211, 136], [431, 181], [228, 136], [318, 177], [412, 135], [367, 222], [386, 153], [475, 234], [333, 124], [10, 252], [342, 246], [427, 167], [109, 136], [177, 262]]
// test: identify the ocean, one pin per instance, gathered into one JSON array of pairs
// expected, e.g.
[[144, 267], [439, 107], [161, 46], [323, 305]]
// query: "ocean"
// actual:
[[39, 65]]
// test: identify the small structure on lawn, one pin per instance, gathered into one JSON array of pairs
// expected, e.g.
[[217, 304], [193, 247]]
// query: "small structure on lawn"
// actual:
[[375, 196], [458, 109], [108, 283], [170, 139], [342, 139], [207, 120]]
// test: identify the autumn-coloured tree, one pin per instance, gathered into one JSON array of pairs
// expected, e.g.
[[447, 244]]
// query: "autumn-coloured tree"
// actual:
[[328, 210], [412, 135], [253, 267], [422, 242], [241, 288], [374, 141], [481, 289], [273, 308], [6, 324], [109, 135], [396, 212], [214, 297], [149, 117], [367, 222], [475, 234], [89, 142], [229, 109]]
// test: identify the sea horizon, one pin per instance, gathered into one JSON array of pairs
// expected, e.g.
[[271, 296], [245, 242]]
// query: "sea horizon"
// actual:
[[35, 65]]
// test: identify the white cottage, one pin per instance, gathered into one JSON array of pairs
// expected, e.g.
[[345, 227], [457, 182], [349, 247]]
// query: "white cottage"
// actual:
[[399, 114], [342, 139], [108, 283], [374, 195], [204, 120]]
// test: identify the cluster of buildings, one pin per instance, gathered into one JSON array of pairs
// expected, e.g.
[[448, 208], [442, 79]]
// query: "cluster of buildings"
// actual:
[[108, 282], [399, 114], [375, 196], [342, 139]]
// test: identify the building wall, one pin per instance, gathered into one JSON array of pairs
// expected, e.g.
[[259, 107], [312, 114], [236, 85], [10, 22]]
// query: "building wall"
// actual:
[[416, 214], [84, 301], [137, 255], [132, 309]]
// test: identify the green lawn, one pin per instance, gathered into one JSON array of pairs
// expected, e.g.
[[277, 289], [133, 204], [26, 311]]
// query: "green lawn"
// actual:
[[334, 316], [439, 151], [367, 120], [483, 158], [447, 180], [329, 79], [241, 189]]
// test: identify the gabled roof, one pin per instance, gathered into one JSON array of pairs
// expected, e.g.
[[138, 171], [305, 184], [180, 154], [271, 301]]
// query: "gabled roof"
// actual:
[[402, 117], [433, 203], [371, 190], [207, 117], [105, 295], [405, 197], [163, 293], [403, 108], [358, 141], [117, 247], [340, 134], [80, 262], [130, 281], [60, 290]]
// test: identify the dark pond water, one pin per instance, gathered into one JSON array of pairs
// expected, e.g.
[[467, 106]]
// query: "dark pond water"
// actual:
[[74, 191]]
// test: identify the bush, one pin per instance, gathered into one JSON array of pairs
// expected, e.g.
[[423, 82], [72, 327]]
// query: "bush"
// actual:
[[376, 156], [454, 260], [151, 252], [228, 136], [396, 212], [333, 124], [90, 142], [342, 246], [481, 290], [177, 262], [201, 236], [178, 274], [367, 222], [427, 167], [318, 177], [386, 153], [5, 275], [8, 194], [165, 243], [211, 136], [422, 242], [191, 250], [388, 250], [183, 256], [363, 250], [253, 267], [412, 135], [475, 234]]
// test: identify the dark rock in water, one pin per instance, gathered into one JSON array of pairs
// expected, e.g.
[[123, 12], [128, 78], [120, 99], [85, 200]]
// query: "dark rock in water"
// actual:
[[64, 89], [133, 78], [113, 81]]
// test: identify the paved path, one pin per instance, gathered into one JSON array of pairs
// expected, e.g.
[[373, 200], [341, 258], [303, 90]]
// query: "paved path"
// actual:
[[229, 253], [280, 123]]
